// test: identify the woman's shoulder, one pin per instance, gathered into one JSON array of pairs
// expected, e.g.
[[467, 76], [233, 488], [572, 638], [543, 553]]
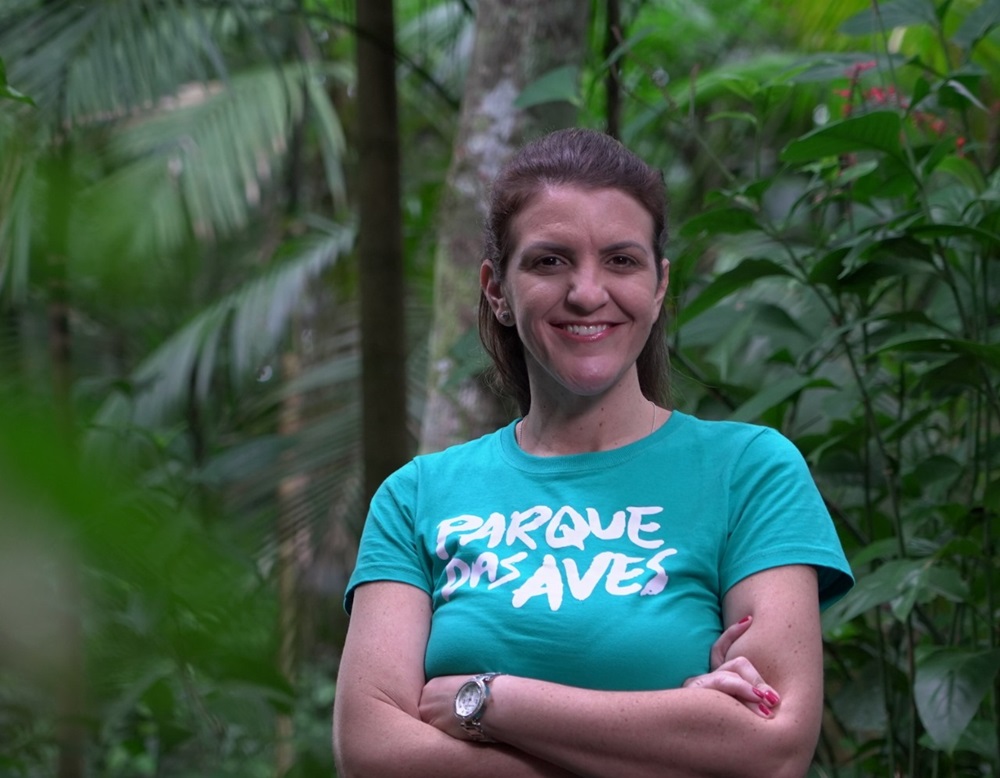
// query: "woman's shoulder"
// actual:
[[728, 432]]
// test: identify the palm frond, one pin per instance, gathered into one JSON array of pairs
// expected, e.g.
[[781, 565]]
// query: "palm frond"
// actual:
[[199, 165], [17, 185], [442, 35], [102, 59], [246, 326]]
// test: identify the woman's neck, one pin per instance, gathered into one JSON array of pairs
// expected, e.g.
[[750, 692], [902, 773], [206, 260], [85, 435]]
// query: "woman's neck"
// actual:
[[554, 429]]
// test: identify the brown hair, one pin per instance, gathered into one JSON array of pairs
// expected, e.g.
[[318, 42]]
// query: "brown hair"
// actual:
[[582, 158]]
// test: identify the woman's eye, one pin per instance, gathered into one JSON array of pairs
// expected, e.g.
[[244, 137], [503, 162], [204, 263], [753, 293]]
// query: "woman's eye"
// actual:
[[622, 260], [548, 261]]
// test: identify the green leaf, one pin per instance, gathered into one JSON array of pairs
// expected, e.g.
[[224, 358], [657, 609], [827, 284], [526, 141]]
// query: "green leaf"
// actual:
[[826, 67], [945, 230], [854, 172], [876, 131], [892, 581], [6, 90], [744, 87], [892, 178], [740, 277], [720, 221], [555, 86], [977, 25], [921, 89], [897, 13], [954, 94], [918, 344], [634, 38], [952, 375], [776, 393], [948, 688], [963, 171], [742, 116], [992, 495], [945, 581]]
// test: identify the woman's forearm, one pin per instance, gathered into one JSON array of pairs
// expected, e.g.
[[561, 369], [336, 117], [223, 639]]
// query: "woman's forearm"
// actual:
[[681, 732], [373, 738], [690, 731]]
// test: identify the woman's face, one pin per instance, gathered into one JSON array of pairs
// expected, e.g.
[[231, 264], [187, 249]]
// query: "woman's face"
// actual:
[[581, 284]]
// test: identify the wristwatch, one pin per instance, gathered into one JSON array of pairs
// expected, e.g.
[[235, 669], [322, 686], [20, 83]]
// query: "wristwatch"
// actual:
[[470, 705]]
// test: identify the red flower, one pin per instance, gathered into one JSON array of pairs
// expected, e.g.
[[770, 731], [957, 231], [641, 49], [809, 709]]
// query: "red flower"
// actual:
[[858, 68]]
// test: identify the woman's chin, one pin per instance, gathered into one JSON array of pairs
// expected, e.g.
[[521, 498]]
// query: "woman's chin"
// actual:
[[590, 385]]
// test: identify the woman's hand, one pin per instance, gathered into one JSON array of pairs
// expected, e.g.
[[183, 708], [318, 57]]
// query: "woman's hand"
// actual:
[[736, 677], [437, 704]]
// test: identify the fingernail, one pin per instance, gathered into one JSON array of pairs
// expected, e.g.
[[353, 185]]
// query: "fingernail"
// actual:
[[771, 697], [758, 692], [744, 620], [765, 711]]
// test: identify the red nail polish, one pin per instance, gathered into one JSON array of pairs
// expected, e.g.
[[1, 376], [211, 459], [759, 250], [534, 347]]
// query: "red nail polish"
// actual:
[[744, 620], [771, 697], [758, 692], [764, 710]]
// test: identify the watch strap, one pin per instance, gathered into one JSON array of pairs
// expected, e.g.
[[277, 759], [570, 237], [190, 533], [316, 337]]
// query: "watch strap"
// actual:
[[473, 724]]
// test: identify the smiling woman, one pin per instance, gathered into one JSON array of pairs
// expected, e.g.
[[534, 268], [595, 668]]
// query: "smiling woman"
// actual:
[[584, 285], [605, 586]]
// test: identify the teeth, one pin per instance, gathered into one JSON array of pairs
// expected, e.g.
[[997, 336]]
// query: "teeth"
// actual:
[[588, 329]]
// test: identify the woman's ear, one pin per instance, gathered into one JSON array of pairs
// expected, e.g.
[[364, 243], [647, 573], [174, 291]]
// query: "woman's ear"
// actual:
[[661, 290], [493, 291]]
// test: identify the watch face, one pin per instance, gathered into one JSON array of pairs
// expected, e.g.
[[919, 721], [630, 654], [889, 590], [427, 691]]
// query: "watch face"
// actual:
[[468, 699]]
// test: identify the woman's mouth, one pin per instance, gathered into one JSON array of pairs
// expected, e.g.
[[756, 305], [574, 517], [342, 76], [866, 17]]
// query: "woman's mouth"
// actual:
[[585, 329]]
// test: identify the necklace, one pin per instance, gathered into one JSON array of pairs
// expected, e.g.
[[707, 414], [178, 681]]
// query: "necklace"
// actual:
[[517, 427]]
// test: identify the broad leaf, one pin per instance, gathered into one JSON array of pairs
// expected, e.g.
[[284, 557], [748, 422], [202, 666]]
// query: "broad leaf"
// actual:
[[953, 93], [899, 581], [946, 231], [557, 85], [949, 686], [775, 394], [741, 116], [918, 344], [963, 171], [877, 131], [746, 88], [6, 90], [824, 68], [727, 221], [740, 277], [977, 25], [888, 16]]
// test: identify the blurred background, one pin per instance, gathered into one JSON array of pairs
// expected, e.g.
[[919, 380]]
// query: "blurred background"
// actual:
[[239, 248]]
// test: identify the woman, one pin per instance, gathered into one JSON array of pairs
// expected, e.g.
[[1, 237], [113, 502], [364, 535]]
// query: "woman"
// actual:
[[634, 573]]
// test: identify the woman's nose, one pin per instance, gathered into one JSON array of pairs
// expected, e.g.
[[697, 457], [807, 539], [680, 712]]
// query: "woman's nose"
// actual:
[[587, 290]]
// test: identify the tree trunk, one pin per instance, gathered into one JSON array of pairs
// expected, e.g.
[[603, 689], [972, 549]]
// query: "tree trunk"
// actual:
[[612, 80], [291, 496], [517, 41], [380, 248], [71, 703]]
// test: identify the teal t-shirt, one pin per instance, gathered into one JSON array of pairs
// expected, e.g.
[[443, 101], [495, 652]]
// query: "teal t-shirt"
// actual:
[[601, 570]]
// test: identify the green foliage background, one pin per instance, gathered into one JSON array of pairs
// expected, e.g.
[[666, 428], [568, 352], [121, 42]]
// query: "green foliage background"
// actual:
[[178, 183]]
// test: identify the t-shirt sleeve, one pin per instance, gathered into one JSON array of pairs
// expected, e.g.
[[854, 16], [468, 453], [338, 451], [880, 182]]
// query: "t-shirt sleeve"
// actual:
[[389, 548], [777, 517]]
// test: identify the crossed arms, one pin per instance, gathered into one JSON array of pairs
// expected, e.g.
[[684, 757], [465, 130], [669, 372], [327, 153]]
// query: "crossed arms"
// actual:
[[389, 722]]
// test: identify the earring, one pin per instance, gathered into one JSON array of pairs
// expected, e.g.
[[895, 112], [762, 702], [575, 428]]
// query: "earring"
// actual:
[[505, 316]]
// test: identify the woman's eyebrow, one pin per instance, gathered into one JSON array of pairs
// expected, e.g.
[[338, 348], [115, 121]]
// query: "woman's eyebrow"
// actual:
[[626, 244], [548, 245]]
